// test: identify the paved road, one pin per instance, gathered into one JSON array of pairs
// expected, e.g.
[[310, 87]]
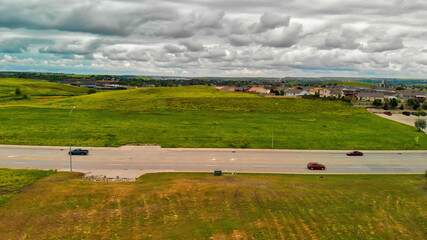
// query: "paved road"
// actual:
[[152, 159]]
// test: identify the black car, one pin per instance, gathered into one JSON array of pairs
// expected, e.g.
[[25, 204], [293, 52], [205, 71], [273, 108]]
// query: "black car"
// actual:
[[79, 151], [406, 113]]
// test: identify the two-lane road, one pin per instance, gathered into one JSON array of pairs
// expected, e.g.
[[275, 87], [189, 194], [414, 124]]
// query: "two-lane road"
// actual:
[[155, 159]]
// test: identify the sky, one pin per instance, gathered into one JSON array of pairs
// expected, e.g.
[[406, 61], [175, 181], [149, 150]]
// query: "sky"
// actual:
[[244, 38]]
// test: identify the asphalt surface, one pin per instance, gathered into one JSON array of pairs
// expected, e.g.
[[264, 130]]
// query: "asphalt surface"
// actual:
[[139, 160]]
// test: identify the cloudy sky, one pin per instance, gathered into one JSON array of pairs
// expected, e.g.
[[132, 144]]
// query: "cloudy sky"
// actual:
[[277, 38]]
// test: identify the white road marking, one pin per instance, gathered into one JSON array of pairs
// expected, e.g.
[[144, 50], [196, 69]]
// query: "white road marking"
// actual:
[[12, 156], [213, 159], [232, 159], [211, 165]]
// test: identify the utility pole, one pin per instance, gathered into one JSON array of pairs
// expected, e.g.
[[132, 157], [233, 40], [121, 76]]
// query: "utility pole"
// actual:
[[272, 128], [69, 134]]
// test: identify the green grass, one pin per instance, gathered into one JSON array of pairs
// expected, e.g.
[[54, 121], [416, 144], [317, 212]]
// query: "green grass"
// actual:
[[33, 126], [13, 181], [201, 206], [352, 84], [35, 90], [200, 116]]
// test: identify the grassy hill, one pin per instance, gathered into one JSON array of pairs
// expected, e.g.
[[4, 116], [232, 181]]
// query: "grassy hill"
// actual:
[[201, 116], [198, 98], [34, 91], [202, 206]]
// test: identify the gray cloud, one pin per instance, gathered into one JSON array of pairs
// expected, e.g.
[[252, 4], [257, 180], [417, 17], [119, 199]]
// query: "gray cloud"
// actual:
[[223, 37]]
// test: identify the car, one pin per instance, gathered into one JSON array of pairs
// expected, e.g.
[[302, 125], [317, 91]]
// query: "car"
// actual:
[[413, 113], [406, 113], [79, 151], [388, 113], [355, 153], [315, 165]]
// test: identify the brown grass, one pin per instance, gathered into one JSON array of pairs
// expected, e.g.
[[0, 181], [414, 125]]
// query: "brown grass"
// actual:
[[201, 206]]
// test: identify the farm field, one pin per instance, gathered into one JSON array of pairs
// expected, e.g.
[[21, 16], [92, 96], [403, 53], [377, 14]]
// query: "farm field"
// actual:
[[201, 116], [202, 206]]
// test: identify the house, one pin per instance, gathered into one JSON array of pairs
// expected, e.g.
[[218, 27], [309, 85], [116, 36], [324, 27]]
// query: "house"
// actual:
[[352, 93], [370, 96], [260, 90], [296, 92], [323, 92], [408, 94], [226, 88]]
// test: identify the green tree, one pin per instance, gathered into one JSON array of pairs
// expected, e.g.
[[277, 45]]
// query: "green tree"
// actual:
[[91, 90], [401, 107], [18, 92], [410, 102], [282, 93], [393, 103], [377, 102], [416, 105], [386, 107], [420, 124]]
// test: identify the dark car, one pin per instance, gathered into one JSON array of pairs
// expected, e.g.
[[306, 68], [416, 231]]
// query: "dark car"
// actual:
[[406, 113], [388, 113], [413, 113], [355, 153], [315, 165], [79, 152]]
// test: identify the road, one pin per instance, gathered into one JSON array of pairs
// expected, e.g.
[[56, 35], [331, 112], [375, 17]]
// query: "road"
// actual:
[[154, 159]]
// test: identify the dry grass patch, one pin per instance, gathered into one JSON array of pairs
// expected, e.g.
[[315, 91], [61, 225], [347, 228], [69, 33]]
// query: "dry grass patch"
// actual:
[[201, 206]]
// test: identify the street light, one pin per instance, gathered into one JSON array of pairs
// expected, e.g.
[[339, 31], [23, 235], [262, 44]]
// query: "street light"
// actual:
[[69, 134], [272, 128]]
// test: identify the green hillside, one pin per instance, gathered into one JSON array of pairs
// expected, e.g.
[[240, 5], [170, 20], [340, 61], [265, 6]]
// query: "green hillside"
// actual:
[[201, 116], [198, 98], [34, 91]]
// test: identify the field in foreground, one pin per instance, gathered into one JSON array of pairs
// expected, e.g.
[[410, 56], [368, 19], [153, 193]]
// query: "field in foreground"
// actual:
[[201, 206]]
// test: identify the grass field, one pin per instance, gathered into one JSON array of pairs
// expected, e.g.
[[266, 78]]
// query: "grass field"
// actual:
[[35, 90], [201, 206], [13, 181], [201, 116]]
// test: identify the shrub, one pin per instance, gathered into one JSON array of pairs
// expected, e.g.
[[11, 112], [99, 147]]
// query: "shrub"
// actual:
[[91, 90]]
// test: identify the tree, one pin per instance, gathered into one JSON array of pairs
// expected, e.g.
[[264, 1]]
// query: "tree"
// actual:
[[386, 107], [377, 102], [282, 93], [425, 105], [91, 90], [401, 107], [416, 105], [18, 92], [410, 102], [420, 124], [393, 103]]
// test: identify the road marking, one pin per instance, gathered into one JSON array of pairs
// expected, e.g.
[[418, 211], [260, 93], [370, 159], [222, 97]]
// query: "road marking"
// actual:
[[213, 159], [232, 159], [115, 164], [211, 165], [260, 165], [165, 164], [12, 156]]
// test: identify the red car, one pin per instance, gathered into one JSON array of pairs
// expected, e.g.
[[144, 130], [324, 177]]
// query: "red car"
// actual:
[[387, 113], [355, 153], [315, 165]]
